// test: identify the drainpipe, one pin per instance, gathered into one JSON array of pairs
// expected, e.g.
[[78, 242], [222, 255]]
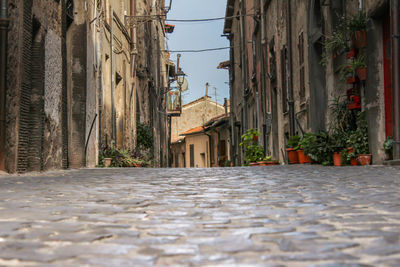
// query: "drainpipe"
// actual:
[[232, 115], [113, 112], [244, 76], [289, 68], [3, 78], [396, 77], [133, 69]]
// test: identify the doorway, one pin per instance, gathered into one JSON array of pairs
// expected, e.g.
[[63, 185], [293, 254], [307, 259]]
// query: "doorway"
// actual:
[[387, 63]]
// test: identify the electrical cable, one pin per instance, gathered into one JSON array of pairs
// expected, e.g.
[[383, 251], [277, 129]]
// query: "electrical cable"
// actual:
[[199, 50], [208, 19]]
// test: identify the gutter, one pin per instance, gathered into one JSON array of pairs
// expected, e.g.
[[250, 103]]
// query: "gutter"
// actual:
[[4, 21], [289, 69], [396, 76]]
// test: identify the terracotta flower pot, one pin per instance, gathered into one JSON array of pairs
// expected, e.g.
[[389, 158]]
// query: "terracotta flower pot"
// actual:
[[254, 164], [362, 73], [353, 162], [107, 162], [356, 99], [350, 150], [364, 159], [262, 163], [360, 39], [292, 156], [255, 137], [337, 159], [303, 158], [351, 80], [272, 162]]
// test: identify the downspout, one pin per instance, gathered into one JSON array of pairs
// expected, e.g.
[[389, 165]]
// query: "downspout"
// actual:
[[244, 76], [263, 82], [232, 115], [396, 77], [133, 70], [209, 149], [3, 78], [113, 113], [289, 68]]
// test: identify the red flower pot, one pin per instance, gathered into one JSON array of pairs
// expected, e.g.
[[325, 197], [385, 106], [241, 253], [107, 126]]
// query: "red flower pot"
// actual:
[[268, 163], [292, 156], [351, 80], [360, 39], [337, 160], [356, 99], [303, 158], [255, 137], [351, 53], [364, 159], [353, 162], [254, 164], [362, 73]]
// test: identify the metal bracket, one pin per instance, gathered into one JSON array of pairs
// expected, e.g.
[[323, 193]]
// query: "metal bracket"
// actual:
[[134, 21]]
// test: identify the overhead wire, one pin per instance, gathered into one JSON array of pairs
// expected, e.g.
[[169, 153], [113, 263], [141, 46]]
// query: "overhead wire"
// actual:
[[200, 50]]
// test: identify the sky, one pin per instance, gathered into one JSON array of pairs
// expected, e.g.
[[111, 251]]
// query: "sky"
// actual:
[[200, 68]]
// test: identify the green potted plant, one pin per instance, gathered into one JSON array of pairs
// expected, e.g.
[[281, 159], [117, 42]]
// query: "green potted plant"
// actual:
[[253, 151], [339, 143], [388, 147], [360, 66], [358, 140], [305, 141], [319, 148], [357, 25], [267, 161], [107, 155], [291, 149]]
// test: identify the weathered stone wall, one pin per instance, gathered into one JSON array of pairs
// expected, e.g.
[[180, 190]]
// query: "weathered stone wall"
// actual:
[[44, 19], [14, 80], [52, 153]]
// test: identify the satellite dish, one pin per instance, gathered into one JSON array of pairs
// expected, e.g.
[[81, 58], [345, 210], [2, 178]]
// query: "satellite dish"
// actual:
[[185, 85]]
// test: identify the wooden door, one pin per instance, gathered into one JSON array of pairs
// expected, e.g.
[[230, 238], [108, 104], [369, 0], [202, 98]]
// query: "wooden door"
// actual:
[[191, 156], [387, 63]]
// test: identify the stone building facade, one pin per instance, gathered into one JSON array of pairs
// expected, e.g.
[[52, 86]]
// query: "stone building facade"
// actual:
[[194, 115], [277, 82], [72, 83], [153, 75]]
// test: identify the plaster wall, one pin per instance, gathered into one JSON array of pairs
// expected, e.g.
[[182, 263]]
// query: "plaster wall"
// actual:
[[201, 150], [195, 114]]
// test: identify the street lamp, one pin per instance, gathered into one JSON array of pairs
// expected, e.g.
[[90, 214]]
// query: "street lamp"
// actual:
[[180, 78]]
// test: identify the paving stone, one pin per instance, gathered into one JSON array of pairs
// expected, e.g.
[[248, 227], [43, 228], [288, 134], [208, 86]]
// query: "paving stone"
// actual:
[[266, 216]]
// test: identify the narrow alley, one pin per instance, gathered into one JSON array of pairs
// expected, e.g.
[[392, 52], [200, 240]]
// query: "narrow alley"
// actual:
[[262, 216]]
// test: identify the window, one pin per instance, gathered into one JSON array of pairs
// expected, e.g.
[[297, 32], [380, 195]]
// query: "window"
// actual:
[[302, 92]]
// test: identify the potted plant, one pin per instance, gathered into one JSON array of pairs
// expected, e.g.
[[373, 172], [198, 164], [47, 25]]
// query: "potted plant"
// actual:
[[319, 148], [388, 147], [107, 156], [267, 161], [253, 151], [291, 149], [339, 142], [360, 66], [358, 139], [305, 141], [357, 26]]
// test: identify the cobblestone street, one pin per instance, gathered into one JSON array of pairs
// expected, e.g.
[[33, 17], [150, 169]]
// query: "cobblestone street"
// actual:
[[260, 216]]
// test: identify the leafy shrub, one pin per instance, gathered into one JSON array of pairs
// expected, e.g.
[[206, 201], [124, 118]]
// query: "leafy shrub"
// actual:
[[253, 151]]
